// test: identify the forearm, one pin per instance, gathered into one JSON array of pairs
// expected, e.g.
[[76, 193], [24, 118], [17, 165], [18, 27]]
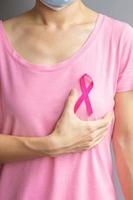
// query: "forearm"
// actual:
[[17, 148], [123, 151]]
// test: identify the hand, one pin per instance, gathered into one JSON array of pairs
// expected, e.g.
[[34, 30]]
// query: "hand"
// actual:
[[72, 134]]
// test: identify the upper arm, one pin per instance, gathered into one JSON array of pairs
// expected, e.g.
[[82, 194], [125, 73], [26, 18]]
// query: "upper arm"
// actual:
[[123, 109]]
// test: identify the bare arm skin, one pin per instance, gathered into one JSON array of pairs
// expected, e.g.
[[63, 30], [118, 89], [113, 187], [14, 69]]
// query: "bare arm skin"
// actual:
[[123, 141], [70, 135], [17, 148]]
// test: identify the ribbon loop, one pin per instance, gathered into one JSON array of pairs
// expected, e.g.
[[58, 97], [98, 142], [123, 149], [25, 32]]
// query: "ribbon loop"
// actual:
[[85, 91]]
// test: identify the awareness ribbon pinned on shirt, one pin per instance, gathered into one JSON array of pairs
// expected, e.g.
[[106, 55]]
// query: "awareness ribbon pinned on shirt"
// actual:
[[85, 91]]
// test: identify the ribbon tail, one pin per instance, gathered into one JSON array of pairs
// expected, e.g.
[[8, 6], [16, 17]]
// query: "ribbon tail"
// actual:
[[88, 106]]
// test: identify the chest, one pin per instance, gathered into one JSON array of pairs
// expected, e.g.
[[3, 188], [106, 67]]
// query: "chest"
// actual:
[[39, 99], [39, 45]]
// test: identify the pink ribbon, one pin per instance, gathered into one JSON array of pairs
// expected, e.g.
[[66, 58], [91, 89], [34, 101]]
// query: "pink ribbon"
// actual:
[[85, 91]]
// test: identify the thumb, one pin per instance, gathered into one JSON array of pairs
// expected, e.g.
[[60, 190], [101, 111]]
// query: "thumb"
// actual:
[[72, 100]]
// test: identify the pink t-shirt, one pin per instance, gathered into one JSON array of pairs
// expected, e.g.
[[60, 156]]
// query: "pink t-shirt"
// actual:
[[32, 98]]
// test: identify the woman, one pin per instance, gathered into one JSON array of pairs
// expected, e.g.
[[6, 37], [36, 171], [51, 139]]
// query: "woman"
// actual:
[[51, 147]]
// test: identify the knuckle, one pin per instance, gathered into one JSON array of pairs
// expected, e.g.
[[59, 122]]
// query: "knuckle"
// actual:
[[89, 128], [104, 130], [104, 121], [91, 138], [86, 146]]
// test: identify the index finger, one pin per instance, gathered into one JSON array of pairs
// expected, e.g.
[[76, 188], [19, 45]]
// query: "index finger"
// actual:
[[101, 122]]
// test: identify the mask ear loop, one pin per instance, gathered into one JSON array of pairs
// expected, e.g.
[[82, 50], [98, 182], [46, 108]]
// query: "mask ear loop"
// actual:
[[85, 91]]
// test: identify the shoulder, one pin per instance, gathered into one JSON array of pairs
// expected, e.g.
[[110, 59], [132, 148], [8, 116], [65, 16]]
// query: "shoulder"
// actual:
[[120, 30], [17, 22], [15, 27]]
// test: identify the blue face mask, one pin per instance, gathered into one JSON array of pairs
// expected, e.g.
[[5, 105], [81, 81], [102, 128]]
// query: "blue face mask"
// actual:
[[57, 4]]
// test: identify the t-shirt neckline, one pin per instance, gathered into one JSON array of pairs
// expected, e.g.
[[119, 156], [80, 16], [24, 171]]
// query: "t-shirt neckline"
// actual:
[[62, 64]]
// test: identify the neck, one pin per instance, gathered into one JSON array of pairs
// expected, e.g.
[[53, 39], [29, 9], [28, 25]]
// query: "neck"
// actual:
[[74, 13]]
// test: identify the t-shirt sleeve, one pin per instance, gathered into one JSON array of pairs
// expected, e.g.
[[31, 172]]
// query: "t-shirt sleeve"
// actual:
[[125, 76]]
